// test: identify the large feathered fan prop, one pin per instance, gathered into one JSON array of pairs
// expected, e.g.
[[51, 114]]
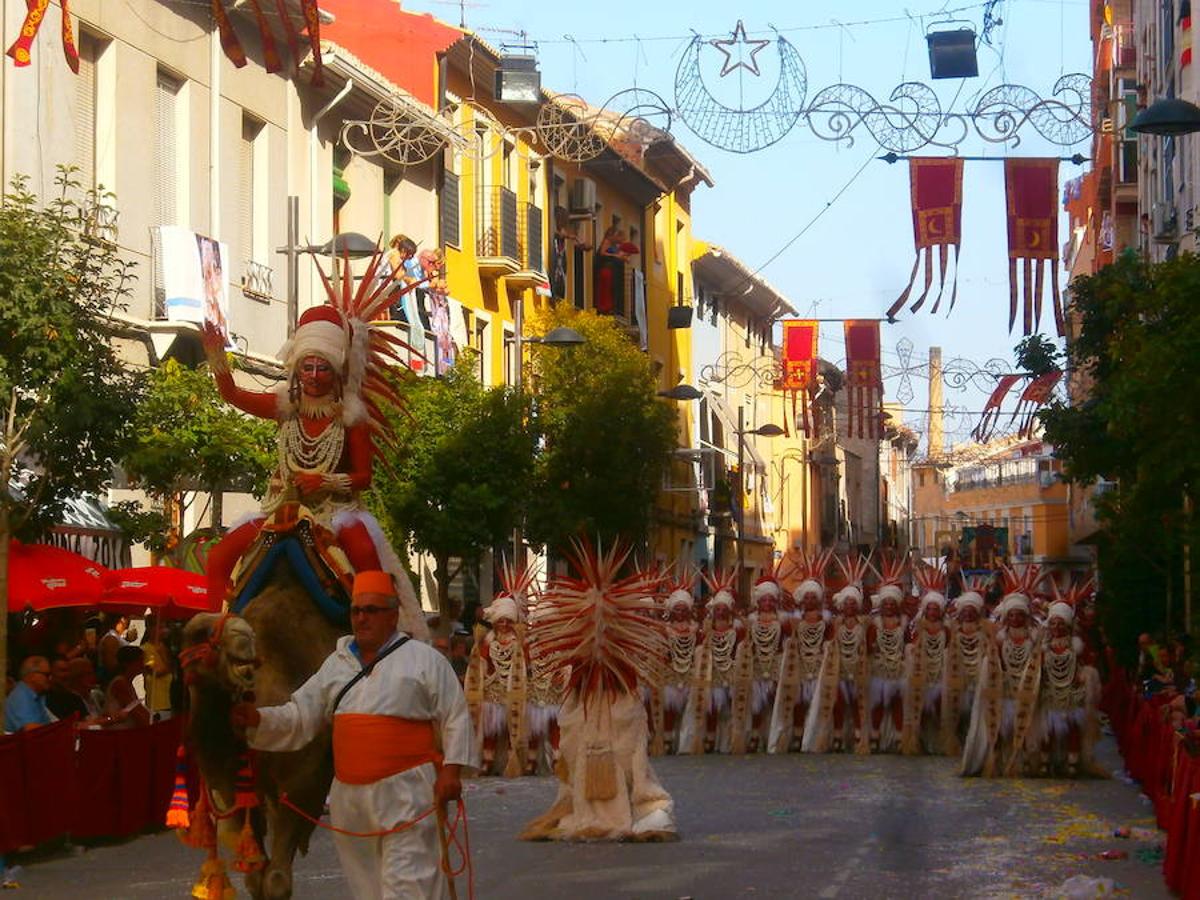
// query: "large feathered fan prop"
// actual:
[[599, 626]]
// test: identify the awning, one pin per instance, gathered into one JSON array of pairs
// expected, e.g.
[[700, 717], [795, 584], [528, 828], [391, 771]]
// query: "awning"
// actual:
[[729, 423], [85, 528]]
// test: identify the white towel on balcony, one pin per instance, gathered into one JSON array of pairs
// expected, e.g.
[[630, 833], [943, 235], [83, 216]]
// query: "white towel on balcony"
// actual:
[[458, 324], [639, 307]]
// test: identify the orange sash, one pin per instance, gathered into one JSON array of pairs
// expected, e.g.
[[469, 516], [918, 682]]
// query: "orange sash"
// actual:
[[368, 748]]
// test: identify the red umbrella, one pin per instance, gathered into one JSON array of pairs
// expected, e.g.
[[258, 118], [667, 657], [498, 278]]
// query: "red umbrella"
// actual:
[[175, 593], [41, 576]]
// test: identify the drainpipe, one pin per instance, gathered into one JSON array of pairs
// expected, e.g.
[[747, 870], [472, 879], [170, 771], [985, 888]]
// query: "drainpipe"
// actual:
[[313, 181]]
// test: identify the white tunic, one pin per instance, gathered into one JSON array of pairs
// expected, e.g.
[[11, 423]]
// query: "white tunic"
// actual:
[[414, 682]]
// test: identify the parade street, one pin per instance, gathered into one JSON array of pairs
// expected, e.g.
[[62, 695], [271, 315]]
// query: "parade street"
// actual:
[[795, 826]]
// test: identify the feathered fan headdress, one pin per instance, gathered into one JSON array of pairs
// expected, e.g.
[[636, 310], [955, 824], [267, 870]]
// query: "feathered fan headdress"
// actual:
[[365, 355], [679, 588], [1066, 602], [1025, 582], [891, 577], [855, 568], [930, 578], [597, 625], [722, 583], [811, 571], [519, 584]]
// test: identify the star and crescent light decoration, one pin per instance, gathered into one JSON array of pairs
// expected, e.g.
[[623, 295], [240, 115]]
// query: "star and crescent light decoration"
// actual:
[[739, 43]]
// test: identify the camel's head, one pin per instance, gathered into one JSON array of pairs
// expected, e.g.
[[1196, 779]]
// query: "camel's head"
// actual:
[[219, 652]]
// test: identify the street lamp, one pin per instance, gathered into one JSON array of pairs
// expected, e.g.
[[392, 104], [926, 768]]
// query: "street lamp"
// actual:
[[1170, 117], [683, 392], [768, 430]]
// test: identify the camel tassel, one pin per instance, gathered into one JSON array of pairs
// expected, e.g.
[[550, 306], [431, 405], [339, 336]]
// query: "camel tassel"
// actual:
[[249, 856], [177, 812]]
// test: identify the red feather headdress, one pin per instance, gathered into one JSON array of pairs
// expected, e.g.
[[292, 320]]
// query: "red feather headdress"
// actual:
[[595, 624]]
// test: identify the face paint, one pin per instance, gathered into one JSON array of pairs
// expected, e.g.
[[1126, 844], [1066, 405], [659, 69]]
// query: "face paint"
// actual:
[[316, 376]]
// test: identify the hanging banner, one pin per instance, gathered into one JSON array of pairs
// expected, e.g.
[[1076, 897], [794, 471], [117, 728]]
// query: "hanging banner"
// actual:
[[195, 278], [864, 379], [70, 51], [1033, 398], [991, 410], [229, 39], [1031, 186], [936, 187], [312, 21], [272, 61], [801, 340], [35, 13]]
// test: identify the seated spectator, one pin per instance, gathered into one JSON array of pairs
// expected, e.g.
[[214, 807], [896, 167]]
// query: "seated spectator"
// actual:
[[26, 705], [117, 636], [60, 699], [121, 703]]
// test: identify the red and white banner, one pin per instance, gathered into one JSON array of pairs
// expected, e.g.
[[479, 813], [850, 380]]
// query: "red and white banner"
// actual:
[[991, 410], [1031, 186], [864, 379], [1033, 398], [801, 341], [936, 186]]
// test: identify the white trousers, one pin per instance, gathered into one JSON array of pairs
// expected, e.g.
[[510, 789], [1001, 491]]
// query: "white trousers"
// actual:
[[402, 866]]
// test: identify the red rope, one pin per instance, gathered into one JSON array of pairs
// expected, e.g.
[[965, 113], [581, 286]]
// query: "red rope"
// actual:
[[460, 817]]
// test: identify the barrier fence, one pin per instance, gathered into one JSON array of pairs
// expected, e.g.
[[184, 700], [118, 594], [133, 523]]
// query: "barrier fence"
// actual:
[[1156, 755], [57, 781]]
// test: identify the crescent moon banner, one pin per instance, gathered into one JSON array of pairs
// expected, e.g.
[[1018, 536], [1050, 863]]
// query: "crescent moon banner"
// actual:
[[1031, 187], [936, 188]]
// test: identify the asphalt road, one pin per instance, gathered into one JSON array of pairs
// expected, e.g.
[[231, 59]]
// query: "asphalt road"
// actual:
[[794, 826]]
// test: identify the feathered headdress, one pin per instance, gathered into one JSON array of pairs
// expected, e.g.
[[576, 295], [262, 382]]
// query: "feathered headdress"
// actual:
[[812, 571], [1025, 582], [855, 568], [366, 356], [679, 588], [931, 579], [1066, 602], [517, 583], [722, 587], [891, 578], [596, 625]]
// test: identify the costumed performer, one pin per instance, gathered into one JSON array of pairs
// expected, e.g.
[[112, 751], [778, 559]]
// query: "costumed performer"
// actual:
[[1000, 739], [926, 658], [707, 726], [965, 650], [1070, 692], [682, 636], [595, 623], [803, 651], [401, 741], [886, 647], [331, 427], [496, 686], [843, 683], [758, 667]]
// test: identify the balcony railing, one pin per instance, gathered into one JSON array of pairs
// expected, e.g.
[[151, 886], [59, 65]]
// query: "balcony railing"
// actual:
[[502, 231], [257, 280], [1008, 472], [1124, 46]]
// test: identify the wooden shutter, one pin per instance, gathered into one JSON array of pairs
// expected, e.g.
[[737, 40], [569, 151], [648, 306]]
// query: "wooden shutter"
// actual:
[[246, 188], [449, 219], [165, 98], [85, 112]]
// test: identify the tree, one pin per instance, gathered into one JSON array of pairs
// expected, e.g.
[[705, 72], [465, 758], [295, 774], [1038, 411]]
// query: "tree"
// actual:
[[455, 483], [1136, 362], [66, 398], [604, 438], [188, 439]]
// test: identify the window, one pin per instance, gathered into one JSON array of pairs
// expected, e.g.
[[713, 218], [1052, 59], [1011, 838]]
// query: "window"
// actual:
[[253, 199], [510, 356], [85, 111], [483, 345], [391, 183], [169, 181]]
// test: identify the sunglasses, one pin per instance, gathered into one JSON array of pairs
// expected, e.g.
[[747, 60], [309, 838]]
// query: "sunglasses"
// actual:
[[369, 610]]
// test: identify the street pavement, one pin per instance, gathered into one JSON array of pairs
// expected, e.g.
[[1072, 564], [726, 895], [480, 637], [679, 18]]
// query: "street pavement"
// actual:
[[761, 827]]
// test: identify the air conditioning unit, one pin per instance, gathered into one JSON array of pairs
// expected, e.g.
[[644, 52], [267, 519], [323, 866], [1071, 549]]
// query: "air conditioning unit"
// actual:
[[583, 196], [1164, 223]]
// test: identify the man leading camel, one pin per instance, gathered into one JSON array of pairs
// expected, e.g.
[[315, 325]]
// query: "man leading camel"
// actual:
[[401, 736]]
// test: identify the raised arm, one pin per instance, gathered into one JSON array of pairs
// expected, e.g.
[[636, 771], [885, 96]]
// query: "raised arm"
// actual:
[[257, 403]]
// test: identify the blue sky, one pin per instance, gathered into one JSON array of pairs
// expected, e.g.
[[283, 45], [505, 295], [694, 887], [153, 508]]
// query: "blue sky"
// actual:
[[855, 260]]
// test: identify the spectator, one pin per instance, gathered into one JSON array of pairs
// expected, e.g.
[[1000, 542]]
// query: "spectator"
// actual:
[[460, 655], [1148, 656], [117, 636], [159, 674], [60, 699], [121, 702], [26, 705]]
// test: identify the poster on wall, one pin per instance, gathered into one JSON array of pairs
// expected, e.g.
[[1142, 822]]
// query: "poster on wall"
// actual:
[[195, 278]]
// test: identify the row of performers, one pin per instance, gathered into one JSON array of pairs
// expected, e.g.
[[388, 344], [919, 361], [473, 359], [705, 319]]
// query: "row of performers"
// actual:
[[815, 670]]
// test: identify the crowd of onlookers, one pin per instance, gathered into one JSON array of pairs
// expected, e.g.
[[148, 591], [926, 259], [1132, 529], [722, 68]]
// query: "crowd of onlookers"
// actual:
[[100, 671], [1167, 672]]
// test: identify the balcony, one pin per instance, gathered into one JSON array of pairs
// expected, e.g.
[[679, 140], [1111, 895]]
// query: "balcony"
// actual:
[[503, 232], [1009, 472], [1124, 46], [257, 280]]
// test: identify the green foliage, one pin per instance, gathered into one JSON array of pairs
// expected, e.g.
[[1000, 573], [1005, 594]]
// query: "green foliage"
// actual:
[[141, 526], [1039, 355], [456, 482], [66, 398], [188, 438], [1136, 366], [604, 438]]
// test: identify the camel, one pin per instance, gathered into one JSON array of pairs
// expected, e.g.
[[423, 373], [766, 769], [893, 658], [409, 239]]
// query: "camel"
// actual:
[[280, 640]]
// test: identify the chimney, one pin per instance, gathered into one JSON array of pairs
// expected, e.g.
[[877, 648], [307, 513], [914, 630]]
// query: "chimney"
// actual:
[[937, 437]]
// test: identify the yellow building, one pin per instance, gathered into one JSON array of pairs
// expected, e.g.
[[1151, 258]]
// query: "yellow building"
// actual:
[[1010, 495]]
